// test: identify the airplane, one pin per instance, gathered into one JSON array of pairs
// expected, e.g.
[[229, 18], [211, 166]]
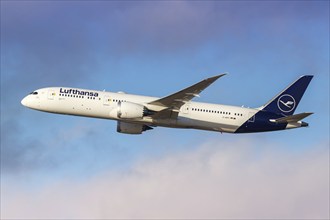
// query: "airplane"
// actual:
[[135, 113]]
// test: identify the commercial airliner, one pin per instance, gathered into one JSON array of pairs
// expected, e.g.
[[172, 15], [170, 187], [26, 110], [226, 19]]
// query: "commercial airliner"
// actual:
[[135, 114]]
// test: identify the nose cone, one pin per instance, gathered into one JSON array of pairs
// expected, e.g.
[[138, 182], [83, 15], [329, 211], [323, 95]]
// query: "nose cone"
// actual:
[[24, 101]]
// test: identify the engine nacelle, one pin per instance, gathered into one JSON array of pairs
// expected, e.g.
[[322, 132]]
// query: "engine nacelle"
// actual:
[[130, 128], [129, 110]]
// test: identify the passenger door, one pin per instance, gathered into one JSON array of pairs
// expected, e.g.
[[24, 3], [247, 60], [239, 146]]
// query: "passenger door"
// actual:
[[107, 100], [185, 109], [51, 94]]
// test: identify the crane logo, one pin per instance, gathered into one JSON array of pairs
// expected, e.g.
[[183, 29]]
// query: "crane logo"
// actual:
[[286, 103]]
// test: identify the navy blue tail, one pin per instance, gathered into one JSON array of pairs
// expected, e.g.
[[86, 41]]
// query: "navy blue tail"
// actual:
[[287, 101]]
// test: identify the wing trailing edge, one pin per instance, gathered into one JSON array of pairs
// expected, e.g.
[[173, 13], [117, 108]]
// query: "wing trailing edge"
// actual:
[[178, 99]]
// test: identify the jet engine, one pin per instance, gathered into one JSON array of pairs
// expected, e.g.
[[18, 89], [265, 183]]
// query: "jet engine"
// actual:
[[129, 110], [130, 128]]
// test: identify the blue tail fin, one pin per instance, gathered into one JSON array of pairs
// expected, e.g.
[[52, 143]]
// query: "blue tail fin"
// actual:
[[286, 102]]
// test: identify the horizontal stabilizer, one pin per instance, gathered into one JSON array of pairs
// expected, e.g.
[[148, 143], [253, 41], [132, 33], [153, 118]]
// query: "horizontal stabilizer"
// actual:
[[291, 118]]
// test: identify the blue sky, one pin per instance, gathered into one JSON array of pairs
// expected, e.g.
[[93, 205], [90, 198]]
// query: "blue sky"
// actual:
[[156, 48]]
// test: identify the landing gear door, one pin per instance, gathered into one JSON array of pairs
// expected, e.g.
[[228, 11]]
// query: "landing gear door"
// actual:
[[107, 100], [51, 94]]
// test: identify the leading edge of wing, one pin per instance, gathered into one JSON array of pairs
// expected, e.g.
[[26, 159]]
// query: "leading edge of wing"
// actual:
[[178, 99]]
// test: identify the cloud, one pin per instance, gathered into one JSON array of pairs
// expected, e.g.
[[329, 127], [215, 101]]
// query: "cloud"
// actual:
[[24, 154], [218, 180]]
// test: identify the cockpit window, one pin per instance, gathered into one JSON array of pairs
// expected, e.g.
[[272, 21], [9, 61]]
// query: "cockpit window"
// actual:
[[34, 93]]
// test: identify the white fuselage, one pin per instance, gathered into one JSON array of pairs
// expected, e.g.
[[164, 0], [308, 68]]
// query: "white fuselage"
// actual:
[[101, 104]]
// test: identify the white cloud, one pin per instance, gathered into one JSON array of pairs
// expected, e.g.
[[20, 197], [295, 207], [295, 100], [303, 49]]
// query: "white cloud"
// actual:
[[217, 180]]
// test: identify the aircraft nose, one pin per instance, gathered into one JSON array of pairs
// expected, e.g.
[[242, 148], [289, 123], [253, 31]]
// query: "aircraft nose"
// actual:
[[24, 101]]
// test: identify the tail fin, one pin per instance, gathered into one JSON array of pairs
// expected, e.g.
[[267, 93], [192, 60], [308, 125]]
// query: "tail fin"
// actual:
[[286, 102]]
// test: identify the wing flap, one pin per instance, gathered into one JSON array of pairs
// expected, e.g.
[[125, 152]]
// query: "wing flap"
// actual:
[[291, 118], [165, 114]]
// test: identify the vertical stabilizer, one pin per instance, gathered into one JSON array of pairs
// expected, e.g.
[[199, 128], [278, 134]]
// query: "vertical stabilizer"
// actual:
[[286, 102]]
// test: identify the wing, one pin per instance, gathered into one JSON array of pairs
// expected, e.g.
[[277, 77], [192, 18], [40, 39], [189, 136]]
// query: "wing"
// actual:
[[178, 99], [291, 118]]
